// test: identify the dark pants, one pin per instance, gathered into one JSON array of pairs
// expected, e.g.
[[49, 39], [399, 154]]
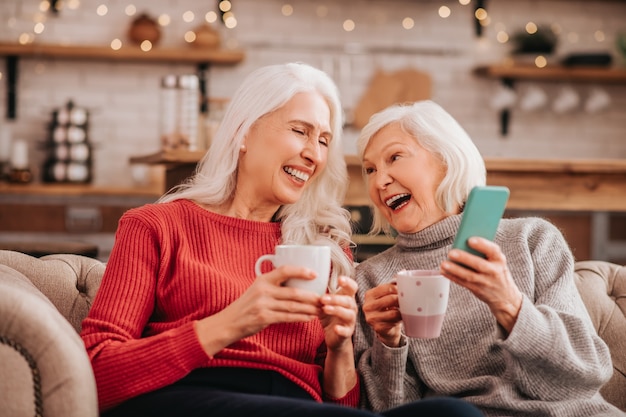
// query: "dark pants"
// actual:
[[216, 392]]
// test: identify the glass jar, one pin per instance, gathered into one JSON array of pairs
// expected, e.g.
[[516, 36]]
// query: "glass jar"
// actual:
[[217, 107], [179, 111]]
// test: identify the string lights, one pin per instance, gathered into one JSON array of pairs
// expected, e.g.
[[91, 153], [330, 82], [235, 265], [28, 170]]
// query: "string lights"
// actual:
[[223, 12]]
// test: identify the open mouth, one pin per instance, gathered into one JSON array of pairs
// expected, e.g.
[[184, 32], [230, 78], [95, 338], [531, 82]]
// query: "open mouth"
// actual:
[[398, 200], [296, 174]]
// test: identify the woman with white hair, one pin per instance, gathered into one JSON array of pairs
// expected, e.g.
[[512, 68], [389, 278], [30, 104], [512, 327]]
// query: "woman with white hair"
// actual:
[[516, 337], [181, 326]]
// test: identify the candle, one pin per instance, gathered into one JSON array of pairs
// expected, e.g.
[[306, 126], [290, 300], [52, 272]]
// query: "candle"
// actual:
[[19, 155]]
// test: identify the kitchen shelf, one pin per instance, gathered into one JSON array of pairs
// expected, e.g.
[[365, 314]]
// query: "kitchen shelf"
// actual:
[[185, 54], [553, 73], [509, 73], [169, 157]]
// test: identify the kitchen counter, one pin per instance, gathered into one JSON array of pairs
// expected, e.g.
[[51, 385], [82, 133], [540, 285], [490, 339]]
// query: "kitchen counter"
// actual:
[[535, 184], [76, 190], [84, 193], [566, 185], [543, 184]]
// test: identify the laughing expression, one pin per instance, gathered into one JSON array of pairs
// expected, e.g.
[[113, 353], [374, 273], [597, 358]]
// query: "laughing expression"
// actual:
[[402, 179], [285, 150]]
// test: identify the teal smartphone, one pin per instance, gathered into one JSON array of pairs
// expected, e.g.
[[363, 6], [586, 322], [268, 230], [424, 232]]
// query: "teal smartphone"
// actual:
[[482, 213]]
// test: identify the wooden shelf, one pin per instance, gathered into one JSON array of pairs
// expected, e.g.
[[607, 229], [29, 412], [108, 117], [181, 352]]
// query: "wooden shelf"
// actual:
[[553, 73], [509, 73], [362, 239], [169, 157], [184, 54], [192, 157]]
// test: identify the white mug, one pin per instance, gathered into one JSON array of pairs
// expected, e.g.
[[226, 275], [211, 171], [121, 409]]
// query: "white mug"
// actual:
[[566, 100], [534, 99], [598, 100], [315, 257], [504, 98]]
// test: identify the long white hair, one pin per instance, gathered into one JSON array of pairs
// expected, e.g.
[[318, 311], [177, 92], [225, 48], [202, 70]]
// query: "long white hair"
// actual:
[[317, 217], [439, 133]]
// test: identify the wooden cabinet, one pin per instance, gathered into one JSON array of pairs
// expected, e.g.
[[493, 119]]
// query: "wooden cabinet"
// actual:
[[40, 218], [66, 208]]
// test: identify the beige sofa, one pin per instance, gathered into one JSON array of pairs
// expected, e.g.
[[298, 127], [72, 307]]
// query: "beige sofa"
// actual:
[[45, 370]]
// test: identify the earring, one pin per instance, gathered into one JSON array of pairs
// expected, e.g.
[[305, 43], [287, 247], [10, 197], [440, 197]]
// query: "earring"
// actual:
[[243, 148]]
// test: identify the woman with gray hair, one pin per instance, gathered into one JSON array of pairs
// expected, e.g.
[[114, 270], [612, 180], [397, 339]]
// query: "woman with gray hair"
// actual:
[[181, 326], [516, 337]]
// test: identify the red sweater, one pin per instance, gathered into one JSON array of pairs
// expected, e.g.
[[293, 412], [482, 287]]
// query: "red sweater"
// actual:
[[173, 264]]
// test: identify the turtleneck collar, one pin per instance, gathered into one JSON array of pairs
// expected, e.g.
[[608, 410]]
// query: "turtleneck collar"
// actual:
[[435, 236]]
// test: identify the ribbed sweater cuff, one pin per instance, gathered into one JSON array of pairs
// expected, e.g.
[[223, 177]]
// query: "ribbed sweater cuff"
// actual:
[[351, 399], [190, 347], [390, 361]]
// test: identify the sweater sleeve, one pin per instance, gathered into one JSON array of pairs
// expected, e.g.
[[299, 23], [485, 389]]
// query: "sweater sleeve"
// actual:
[[125, 362], [380, 365], [553, 352], [351, 399]]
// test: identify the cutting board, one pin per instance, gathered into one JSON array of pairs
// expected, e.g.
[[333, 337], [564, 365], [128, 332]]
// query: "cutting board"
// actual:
[[387, 88]]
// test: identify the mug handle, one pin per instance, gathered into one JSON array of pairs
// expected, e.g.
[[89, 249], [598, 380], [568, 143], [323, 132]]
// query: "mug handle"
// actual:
[[259, 262]]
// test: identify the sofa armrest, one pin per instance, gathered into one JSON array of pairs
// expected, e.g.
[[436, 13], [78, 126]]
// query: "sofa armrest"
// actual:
[[43, 362], [602, 286], [69, 281]]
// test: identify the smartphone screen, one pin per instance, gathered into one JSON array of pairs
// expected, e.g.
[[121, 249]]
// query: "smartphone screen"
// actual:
[[482, 213]]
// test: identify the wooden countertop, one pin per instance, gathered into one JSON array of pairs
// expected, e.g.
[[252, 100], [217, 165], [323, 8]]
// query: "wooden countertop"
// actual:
[[77, 190], [570, 166], [562, 185], [535, 184], [600, 165], [543, 184]]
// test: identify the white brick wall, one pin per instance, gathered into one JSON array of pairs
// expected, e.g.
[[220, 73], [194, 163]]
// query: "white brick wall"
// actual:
[[123, 97]]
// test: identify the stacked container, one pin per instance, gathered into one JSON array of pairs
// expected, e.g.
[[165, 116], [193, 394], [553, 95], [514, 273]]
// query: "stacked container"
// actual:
[[69, 152]]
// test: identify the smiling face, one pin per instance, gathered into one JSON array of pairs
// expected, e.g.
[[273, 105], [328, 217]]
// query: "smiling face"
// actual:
[[284, 151], [402, 179]]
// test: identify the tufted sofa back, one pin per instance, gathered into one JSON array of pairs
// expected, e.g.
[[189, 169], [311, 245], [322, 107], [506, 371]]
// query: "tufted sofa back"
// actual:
[[69, 281]]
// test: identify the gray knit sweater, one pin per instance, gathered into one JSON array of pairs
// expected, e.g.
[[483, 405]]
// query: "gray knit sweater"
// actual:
[[551, 364]]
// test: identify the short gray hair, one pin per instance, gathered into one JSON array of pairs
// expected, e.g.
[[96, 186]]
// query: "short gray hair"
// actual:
[[441, 135]]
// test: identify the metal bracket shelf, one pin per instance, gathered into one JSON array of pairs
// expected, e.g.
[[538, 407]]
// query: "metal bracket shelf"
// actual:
[[203, 58]]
